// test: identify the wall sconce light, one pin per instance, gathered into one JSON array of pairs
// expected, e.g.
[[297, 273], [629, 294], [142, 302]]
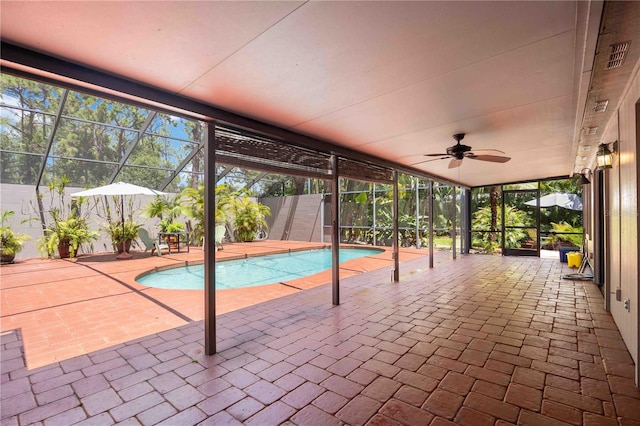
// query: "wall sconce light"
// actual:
[[583, 177], [604, 157]]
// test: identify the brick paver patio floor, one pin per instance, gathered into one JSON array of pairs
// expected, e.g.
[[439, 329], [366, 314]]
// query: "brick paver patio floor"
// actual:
[[480, 340]]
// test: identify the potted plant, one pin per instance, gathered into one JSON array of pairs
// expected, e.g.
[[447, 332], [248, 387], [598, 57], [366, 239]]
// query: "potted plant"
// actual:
[[65, 236], [67, 229], [115, 230], [10, 242], [248, 217], [167, 210]]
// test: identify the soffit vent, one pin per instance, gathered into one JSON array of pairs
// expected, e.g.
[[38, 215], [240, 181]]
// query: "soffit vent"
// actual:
[[617, 55], [601, 106]]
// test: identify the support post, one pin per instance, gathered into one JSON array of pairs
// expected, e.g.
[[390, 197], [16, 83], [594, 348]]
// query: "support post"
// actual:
[[322, 217], [417, 211], [375, 232], [454, 224], [467, 225], [396, 233], [209, 240], [430, 223], [335, 230]]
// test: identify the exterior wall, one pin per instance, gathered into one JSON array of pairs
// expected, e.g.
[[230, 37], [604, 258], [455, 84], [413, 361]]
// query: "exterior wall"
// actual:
[[296, 218], [622, 218]]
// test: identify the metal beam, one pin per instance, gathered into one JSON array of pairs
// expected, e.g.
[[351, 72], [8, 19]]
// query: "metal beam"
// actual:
[[132, 145], [209, 241], [255, 180], [430, 223], [453, 222], [335, 231], [416, 181], [467, 215], [225, 171], [47, 151], [396, 232], [180, 167]]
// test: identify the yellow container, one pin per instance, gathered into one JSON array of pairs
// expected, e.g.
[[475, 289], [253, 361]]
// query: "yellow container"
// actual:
[[573, 259]]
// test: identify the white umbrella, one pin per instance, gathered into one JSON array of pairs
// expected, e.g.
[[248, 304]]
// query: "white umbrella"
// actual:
[[121, 189], [560, 199]]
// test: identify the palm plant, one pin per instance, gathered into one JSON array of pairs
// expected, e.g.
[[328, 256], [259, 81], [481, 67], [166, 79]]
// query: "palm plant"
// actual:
[[115, 230], [193, 206], [65, 235], [483, 220], [10, 242], [248, 217], [68, 229], [167, 210]]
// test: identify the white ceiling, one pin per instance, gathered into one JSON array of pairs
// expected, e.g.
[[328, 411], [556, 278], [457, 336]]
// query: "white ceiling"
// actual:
[[392, 79]]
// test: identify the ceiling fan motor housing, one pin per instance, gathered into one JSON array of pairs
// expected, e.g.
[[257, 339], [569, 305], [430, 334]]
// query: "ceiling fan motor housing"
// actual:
[[458, 150]]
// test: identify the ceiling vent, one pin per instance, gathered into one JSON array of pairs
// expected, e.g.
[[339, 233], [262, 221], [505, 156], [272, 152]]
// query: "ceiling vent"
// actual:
[[601, 106], [591, 131], [617, 55]]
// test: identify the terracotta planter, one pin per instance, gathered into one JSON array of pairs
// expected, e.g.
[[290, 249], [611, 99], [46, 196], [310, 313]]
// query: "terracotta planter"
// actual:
[[127, 245], [63, 250]]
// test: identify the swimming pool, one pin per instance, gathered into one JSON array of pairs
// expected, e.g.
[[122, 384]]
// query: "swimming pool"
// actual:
[[253, 271]]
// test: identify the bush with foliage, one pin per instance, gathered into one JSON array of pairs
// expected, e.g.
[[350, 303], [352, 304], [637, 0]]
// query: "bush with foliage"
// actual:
[[115, 231], [249, 217], [167, 210], [68, 229], [565, 233], [488, 242], [11, 242]]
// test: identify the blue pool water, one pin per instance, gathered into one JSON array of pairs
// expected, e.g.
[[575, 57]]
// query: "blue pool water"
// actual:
[[253, 271]]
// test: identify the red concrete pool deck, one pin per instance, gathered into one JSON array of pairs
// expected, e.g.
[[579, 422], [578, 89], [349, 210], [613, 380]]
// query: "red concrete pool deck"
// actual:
[[482, 340], [66, 308]]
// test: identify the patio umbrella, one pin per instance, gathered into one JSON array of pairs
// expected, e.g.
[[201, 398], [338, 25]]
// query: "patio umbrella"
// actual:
[[560, 199], [121, 189]]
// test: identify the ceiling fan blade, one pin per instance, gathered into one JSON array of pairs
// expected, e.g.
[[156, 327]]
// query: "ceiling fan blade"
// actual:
[[434, 155], [490, 158], [477, 152], [455, 163], [428, 161]]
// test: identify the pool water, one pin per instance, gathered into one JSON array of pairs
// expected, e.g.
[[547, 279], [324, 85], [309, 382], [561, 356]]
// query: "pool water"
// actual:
[[253, 271]]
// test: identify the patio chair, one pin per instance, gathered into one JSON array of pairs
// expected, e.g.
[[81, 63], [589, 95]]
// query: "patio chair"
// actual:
[[151, 244], [219, 233]]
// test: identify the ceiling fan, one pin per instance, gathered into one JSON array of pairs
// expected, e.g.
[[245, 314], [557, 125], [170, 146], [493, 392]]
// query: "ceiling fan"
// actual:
[[458, 152]]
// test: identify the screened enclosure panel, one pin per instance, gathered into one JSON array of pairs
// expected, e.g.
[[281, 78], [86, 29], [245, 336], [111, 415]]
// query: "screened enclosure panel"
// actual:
[[24, 131], [91, 140], [81, 173], [20, 168]]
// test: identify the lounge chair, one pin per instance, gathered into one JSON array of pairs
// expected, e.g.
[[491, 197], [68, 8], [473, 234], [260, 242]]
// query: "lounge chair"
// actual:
[[151, 244], [219, 233]]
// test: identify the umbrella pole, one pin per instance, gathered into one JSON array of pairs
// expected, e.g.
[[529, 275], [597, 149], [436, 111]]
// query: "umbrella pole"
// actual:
[[124, 254]]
